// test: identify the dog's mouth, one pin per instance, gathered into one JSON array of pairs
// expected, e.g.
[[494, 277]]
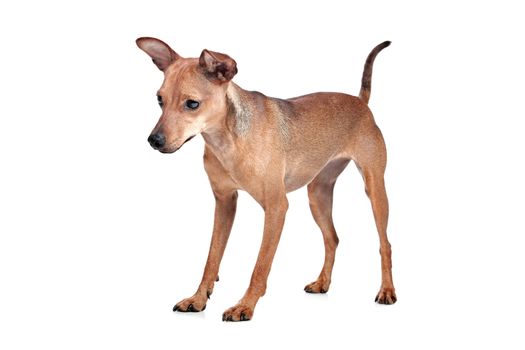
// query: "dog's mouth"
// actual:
[[173, 150], [189, 138]]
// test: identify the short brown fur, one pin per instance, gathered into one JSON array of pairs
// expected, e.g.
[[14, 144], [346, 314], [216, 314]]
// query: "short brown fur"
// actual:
[[268, 147]]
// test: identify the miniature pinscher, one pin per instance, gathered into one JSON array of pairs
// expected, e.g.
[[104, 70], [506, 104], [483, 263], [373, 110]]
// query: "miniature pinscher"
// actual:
[[268, 147]]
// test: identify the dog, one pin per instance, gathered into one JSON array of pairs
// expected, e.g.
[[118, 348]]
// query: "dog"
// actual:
[[268, 147]]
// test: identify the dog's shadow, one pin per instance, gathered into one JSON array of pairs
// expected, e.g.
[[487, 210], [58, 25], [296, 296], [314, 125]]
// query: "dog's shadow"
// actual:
[[194, 315]]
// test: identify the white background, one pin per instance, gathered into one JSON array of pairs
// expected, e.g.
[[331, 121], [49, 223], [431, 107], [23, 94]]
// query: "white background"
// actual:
[[100, 235]]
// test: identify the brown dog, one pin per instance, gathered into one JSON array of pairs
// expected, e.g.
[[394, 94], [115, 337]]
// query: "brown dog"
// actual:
[[268, 147]]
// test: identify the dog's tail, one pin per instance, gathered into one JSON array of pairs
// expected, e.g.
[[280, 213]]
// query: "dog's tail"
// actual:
[[366, 81]]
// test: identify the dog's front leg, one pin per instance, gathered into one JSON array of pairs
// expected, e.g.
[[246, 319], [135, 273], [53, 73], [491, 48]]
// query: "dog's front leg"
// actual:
[[275, 207], [225, 207]]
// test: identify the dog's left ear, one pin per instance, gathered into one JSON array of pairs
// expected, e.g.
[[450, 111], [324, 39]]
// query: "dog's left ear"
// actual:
[[217, 66]]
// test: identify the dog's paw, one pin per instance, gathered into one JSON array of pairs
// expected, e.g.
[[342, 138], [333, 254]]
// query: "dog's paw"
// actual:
[[319, 286], [386, 296], [196, 303], [239, 312]]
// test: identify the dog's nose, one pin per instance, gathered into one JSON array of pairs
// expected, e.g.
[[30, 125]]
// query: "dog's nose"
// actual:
[[157, 141]]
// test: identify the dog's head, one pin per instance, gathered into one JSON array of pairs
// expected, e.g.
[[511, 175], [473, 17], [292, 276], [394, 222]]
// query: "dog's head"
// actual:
[[192, 96]]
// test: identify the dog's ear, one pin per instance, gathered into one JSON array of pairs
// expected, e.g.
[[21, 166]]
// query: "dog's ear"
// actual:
[[217, 66], [161, 54]]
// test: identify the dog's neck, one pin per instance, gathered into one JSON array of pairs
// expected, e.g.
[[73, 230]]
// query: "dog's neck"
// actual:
[[236, 122], [239, 110]]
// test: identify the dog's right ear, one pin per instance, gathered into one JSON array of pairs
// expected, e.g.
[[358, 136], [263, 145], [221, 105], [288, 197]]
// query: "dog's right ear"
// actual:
[[160, 52]]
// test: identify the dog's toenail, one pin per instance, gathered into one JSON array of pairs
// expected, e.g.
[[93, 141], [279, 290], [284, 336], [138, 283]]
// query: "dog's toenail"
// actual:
[[176, 308], [190, 308]]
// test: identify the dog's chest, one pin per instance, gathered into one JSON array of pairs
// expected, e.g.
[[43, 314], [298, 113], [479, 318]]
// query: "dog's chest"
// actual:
[[248, 171]]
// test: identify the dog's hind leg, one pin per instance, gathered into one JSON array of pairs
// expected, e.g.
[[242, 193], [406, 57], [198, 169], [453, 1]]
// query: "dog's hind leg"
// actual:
[[371, 162], [320, 195]]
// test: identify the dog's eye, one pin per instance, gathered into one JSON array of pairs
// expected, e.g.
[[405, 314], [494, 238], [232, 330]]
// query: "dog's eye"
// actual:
[[192, 104], [159, 100]]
